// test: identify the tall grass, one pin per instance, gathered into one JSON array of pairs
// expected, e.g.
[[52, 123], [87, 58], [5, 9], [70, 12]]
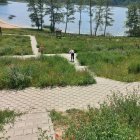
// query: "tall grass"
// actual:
[[114, 65], [15, 45], [40, 72], [134, 68], [110, 57]]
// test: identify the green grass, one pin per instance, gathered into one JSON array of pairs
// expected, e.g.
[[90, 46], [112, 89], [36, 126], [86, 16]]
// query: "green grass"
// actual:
[[119, 120], [15, 45], [40, 72], [6, 116], [111, 57], [117, 66]]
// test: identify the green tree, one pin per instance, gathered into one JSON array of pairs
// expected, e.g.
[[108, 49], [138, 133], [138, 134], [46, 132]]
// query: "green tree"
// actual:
[[133, 20], [54, 10], [69, 13], [91, 15], [80, 8], [108, 20], [99, 15], [37, 9]]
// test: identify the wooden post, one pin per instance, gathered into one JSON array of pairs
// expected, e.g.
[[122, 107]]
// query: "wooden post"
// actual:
[[58, 33], [0, 31], [41, 49]]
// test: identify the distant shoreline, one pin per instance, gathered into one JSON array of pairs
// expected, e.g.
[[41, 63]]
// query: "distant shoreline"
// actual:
[[5, 24]]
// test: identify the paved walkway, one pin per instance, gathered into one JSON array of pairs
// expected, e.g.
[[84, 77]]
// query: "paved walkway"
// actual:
[[37, 102]]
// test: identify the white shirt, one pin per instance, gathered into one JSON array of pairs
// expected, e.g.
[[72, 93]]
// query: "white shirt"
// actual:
[[71, 51]]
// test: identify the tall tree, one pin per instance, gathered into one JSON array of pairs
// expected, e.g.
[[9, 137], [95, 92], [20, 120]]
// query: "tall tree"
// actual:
[[91, 15], [54, 10], [99, 15], [69, 13], [80, 8], [108, 20], [37, 9], [133, 20]]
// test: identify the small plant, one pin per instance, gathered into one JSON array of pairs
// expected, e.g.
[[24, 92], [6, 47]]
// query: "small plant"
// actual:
[[42, 134], [7, 116], [58, 118]]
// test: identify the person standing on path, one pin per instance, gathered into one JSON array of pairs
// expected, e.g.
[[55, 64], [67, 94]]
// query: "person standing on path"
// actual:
[[72, 55]]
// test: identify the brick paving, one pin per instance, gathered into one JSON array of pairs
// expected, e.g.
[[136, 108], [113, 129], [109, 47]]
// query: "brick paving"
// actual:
[[37, 102]]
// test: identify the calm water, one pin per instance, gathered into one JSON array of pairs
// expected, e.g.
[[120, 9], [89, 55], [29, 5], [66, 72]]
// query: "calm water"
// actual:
[[22, 19]]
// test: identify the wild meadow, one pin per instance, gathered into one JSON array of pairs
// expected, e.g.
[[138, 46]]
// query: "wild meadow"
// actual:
[[119, 120], [15, 45], [40, 72], [111, 57]]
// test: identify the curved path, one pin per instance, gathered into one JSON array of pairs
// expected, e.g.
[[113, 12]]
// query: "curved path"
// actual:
[[37, 102]]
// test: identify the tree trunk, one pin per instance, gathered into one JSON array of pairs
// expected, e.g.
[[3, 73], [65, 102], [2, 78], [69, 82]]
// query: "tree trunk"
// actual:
[[96, 30], [105, 22], [105, 30], [66, 24], [66, 18], [41, 22], [80, 21], [90, 18]]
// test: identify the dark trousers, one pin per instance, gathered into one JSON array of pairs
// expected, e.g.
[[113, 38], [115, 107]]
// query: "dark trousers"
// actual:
[[72, 56]]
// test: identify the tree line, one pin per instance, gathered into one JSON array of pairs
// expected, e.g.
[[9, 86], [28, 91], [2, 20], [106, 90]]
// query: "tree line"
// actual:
[[3, 1], [123, 2], [63, 12]]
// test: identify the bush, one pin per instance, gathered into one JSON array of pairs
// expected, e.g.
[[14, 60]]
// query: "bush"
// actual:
[[119, 120], [18, 78], [128, 108]]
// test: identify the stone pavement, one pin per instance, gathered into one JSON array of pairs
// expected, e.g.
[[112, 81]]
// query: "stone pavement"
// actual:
[[27, 127], [37, 102]]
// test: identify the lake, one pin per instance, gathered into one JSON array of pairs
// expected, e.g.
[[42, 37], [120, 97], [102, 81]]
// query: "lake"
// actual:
[[20, 10]]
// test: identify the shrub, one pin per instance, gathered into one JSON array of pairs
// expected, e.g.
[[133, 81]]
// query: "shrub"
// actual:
[[119, 120], [127, 107], [18, 78]]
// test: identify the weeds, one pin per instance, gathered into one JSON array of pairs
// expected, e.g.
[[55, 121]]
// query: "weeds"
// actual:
[[7, 116]]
